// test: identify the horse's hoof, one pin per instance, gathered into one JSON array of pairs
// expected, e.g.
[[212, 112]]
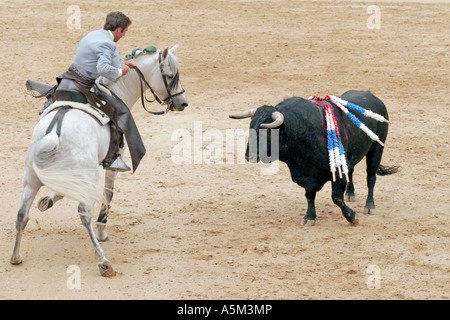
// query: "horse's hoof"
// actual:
[[16, 260], [107, 273], [369, 211], [45, 203], [308, 223], [101, 234], [106, 269]]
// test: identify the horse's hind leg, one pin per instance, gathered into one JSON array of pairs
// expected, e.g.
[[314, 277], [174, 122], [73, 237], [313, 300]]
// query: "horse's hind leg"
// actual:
[[48, 202], [28, 194], [104, 265], [110, 177]]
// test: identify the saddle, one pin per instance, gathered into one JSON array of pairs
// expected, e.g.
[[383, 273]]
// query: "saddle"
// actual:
[[64, 94], [44, 90], [71, 86], [69, 91], [96, 113]]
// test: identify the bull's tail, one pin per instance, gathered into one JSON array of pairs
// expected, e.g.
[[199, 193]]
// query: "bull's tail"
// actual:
[[385, 171], [59, 173]]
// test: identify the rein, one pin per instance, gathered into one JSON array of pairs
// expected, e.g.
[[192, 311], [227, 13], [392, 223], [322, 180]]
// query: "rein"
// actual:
[[141, 80], [168, 101]]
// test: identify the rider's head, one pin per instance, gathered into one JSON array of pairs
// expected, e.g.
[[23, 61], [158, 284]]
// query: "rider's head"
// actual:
[[117, 23]]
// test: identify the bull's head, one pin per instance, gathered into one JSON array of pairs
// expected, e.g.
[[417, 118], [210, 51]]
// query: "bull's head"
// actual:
[[263, 143]]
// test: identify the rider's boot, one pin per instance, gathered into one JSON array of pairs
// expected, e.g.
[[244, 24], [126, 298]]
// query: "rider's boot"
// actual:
[[113, 161]]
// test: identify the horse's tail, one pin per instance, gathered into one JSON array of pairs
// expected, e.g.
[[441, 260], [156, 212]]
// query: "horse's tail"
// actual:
[[385, 171], [55, 172]]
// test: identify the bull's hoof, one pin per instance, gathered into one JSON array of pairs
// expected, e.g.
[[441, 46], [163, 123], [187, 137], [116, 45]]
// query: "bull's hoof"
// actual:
[[354, 221], [45, 203], [308, 223], [369, 211], [106, 269]]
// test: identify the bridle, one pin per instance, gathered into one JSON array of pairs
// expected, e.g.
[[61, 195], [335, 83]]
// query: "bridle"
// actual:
[[167, 101]]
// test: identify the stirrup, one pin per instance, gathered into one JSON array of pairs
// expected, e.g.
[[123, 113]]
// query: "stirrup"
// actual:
[[117, 165]]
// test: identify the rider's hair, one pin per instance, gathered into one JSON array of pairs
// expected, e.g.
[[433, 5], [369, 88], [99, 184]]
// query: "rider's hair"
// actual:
[[116, 19]]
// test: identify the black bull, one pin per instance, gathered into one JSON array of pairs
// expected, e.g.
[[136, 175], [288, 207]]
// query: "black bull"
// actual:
[[303, 146]]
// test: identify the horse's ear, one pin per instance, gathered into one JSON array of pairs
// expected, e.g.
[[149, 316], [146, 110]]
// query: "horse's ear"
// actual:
[[174, 48], [165, 53]]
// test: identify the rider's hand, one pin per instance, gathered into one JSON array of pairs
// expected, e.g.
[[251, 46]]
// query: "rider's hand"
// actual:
[[130, 63], [125, 69]]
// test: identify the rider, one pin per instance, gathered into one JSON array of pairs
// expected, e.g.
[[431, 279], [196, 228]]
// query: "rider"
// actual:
[[97, 55]]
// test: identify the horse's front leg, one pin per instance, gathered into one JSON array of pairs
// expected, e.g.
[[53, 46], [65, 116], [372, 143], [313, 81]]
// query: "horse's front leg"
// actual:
[[110, 177], [105, 267]]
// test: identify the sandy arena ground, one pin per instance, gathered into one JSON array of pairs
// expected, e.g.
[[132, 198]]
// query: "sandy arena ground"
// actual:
[[225, 231]]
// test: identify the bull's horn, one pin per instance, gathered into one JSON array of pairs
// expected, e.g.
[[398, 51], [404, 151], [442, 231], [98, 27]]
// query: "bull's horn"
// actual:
[[246, 114], [279, 119]]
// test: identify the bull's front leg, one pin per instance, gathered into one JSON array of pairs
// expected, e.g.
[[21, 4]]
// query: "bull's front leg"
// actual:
[[337, 195], [310, 217]]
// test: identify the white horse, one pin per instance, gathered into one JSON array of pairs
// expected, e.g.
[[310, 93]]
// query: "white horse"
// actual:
[[69, 164]]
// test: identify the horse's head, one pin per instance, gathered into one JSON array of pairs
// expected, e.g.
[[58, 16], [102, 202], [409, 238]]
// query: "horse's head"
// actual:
[[166, 82]]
